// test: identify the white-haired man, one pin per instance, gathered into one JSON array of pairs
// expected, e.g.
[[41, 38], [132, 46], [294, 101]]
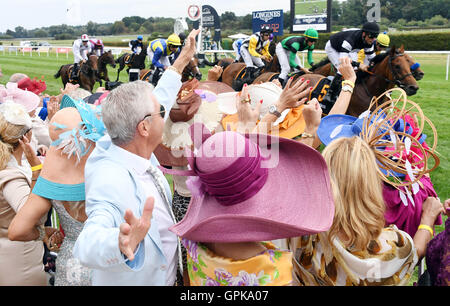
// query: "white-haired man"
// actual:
[[125, 239]]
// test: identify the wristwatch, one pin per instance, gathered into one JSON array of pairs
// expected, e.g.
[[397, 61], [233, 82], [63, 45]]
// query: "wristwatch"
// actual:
[[348, 88], [273, 111]]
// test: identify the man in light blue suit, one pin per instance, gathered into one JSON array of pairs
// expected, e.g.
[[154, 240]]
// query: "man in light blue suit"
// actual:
[[125, 239]]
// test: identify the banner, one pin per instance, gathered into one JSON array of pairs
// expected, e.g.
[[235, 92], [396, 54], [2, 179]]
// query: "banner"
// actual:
[[273, 18], [210, 19], [62, 50], [307, 14]]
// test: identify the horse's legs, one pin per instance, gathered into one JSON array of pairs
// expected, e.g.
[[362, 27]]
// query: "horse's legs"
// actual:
[[118, 71]]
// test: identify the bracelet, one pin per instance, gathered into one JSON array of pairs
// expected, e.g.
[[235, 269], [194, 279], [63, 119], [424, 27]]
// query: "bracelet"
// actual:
[[349, 83], [173, 69], [36, 168], [307, 135], [426, 227]]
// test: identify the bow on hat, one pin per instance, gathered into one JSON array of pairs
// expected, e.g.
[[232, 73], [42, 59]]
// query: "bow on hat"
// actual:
[[237, 183]]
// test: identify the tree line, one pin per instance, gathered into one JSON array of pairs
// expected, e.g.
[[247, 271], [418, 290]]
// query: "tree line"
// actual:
[[350, 13]]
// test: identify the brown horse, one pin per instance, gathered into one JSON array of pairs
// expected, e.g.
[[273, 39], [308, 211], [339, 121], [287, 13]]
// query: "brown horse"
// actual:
[[230, 73], [190, 71], [86, 76], [389, 69], [105, 59], [324, 67]]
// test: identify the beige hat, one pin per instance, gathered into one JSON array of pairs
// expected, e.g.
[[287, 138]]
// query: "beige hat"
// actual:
[[176, 134]]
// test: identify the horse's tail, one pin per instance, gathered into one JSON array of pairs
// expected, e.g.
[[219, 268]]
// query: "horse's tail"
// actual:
[[58, 74]]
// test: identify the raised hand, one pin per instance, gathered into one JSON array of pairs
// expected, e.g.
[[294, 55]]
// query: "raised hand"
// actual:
[[134, 230], [293, 95]]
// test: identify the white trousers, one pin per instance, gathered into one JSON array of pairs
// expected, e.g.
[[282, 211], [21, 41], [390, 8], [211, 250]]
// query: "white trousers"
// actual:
[[236, 51], [251, 61], [334, 55], [164, 60], [283, 58]]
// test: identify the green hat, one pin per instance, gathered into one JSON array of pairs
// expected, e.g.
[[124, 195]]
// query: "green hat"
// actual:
[[312, 33]]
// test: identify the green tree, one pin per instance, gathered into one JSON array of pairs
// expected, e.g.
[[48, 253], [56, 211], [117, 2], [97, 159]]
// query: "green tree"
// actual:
[[91, 28], [119, 28]]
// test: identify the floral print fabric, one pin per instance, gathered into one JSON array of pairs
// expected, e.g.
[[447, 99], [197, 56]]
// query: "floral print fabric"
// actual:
[[272, 267], [388, 260]]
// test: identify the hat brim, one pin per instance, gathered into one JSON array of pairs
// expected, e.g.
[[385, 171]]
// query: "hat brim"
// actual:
[[328, 128], [176, 134], [279, 210]]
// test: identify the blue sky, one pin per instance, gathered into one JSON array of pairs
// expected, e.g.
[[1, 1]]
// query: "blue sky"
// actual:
[[43, 13]]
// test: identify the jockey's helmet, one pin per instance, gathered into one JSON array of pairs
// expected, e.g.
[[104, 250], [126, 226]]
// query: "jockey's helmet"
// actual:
[[383, 40], [312, 34], [174, 40], [84, 37], [98, 42], [371, 28], [266, 29], [140, 37], [182, 37]]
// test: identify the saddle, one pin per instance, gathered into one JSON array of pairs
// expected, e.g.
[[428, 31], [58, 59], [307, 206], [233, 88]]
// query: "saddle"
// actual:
[[152, 76], [320, 90], [128, 59]]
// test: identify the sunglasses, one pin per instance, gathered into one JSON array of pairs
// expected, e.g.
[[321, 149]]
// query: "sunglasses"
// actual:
[[162, 112], [372, 35]]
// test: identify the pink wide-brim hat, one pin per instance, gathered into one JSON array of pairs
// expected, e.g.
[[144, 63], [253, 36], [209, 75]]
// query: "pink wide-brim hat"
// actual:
[[294, 199], [25, 98]]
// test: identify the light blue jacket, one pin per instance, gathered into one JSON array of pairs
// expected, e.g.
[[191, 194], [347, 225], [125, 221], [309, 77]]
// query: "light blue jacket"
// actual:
[[112, 188]]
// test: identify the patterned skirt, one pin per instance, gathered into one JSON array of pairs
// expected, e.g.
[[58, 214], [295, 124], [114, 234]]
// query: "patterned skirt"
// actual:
[[179, 208]]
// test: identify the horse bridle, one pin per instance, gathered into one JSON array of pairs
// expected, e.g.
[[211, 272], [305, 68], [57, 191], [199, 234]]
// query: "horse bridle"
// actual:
[[397, 80]]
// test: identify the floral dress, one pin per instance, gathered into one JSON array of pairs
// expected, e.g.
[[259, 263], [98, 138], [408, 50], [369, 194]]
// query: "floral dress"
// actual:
[[273, 267]]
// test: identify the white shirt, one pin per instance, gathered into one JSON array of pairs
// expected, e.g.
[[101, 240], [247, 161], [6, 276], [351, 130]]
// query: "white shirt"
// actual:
[[168, 239]]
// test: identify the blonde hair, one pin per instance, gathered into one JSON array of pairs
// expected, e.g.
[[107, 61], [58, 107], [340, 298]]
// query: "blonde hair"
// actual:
[[9, 139], [357, 191]]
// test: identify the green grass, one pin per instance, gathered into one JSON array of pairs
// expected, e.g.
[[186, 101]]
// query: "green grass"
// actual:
[[433, 97]]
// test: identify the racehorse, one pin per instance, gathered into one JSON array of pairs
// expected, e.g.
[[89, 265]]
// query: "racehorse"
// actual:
[[230, 73], [138, 61], [324, 67], [389, 69], [105, 59], [86, 76], [190, 71]]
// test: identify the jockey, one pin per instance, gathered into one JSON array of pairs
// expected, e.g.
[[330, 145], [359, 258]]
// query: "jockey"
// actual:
[[97, 46], [136, 45], [348, 43], [287, 49], [380, 44], [81, 48], [255, 49], [237, 49], [174, 56], [160, 49]]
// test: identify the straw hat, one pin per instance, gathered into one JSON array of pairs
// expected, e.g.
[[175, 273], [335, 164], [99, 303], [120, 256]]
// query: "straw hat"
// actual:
[[290, 124], [240, 193], [196, 102], [394, 131]]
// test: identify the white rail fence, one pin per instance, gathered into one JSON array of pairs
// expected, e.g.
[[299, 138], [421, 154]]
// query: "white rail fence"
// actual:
[[210, 54]]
